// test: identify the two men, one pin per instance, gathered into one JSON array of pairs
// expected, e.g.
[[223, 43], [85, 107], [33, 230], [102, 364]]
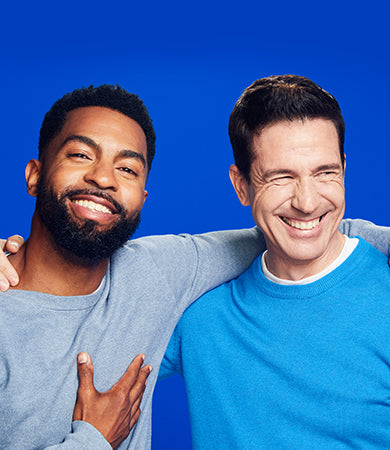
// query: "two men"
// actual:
[[295, 353], [80, 291]]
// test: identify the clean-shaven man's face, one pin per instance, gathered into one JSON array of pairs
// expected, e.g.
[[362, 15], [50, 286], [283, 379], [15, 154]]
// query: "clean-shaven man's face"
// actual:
[[92, 181], [296, 193]]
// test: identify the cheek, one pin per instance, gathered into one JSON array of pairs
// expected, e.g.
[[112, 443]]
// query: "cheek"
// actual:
[[272, 197], [335, 193], [63, 178], [134, 197]]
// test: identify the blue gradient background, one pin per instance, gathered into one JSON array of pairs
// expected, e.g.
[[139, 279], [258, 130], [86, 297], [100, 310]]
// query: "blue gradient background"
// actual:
[[189, 63]]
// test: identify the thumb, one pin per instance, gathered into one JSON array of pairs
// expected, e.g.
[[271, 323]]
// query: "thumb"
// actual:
[[85, 372]]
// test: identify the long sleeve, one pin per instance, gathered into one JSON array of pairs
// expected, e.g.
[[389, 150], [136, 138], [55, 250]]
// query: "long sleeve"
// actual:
[[83, 435], [377, 236]]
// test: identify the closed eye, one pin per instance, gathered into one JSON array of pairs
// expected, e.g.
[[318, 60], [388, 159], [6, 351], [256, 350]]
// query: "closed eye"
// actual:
[[327, 174], [282, 180]]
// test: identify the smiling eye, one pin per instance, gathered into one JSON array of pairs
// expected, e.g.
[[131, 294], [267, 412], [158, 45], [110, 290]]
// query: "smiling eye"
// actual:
[[127, 170], [78, 155], [327, 174], [282, 180]]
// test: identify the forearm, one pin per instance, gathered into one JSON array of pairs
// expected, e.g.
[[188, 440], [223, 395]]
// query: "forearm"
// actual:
[[224, 255]]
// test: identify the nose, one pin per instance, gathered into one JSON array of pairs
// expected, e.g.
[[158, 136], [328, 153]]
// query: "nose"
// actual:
[[305, 197], [102, 175]]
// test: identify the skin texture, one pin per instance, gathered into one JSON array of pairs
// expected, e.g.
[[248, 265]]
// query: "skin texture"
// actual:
[[98, 149], [296, 193], [115, 411], [93, 150], [8, 275]]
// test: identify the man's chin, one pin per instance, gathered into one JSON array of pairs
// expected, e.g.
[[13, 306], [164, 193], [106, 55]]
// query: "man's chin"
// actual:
[[86, 239]]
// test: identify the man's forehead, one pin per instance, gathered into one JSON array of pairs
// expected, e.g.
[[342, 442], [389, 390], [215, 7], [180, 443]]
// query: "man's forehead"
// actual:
[[91, 116], [290, 142], [103, 124]]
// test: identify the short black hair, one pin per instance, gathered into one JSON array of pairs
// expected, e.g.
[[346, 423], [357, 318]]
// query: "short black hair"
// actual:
[[106, 95], [278, 98]]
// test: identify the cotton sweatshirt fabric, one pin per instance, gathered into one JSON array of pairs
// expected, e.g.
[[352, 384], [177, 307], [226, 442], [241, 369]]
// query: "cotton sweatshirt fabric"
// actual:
[[149, 283], [300, 367]]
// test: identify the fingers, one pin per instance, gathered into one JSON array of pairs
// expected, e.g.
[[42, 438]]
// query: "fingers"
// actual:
[[135, 418], [8, 275], [85, 372], [137, 394], [132, 384], [137, 391], [14, 243], [129, 378]]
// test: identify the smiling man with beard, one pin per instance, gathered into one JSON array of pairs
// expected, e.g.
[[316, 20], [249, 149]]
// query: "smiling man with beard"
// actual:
[[86, 290], [84, 239]]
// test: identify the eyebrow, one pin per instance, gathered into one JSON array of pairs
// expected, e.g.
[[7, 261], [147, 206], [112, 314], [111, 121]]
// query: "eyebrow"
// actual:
[[329, 167], [91, 143], [272, 173]]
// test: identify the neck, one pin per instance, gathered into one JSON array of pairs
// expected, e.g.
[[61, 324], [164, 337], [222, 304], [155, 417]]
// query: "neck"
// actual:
[[43, 266], [297, 269]]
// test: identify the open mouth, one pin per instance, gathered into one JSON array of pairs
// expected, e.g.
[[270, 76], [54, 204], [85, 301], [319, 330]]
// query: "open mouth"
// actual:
[[92, 206], [300, 225]]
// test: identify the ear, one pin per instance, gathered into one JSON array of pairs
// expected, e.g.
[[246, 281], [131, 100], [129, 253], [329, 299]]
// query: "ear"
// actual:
[[33, 175], [345, 161], [145, 195], [240, 185]]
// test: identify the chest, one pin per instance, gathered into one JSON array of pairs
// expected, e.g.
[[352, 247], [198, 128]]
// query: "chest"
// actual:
[[294, 372]]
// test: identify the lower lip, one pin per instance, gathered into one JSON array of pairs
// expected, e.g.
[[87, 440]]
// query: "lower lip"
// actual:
[[86, 213]]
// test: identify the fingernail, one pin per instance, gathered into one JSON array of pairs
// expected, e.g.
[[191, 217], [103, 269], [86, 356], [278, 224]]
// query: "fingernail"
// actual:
[[13, 280], [3, 286], [82, 358]]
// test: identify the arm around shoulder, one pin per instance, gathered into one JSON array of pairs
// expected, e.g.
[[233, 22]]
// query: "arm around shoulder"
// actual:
[[377, 236]]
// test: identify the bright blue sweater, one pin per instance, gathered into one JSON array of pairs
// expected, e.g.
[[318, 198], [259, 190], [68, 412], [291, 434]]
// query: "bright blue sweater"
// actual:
[[297, 367]]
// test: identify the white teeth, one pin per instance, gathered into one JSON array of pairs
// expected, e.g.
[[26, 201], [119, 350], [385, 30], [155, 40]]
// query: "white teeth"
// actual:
[[92, 205], [302, 225]]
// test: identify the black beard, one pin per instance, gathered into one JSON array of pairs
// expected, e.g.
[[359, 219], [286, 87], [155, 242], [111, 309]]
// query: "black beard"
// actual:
[[83, 240]]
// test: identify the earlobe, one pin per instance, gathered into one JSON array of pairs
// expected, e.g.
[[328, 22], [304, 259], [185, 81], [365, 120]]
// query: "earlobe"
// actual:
[[33, 175], [240, 185]]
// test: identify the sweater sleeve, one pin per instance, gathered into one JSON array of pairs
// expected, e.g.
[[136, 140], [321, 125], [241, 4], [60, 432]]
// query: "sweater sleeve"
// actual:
[[378, 237], [202, 262], [85, 436]]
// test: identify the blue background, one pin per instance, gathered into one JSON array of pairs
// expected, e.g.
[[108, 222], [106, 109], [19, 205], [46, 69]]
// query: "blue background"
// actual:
[[189, 62]]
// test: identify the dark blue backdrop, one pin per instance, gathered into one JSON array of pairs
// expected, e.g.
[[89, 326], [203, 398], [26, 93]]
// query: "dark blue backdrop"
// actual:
[[189, 63]]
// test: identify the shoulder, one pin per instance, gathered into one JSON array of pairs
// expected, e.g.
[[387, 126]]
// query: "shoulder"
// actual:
[[155, 246], [370, 253], [218, 301], [369, 264]]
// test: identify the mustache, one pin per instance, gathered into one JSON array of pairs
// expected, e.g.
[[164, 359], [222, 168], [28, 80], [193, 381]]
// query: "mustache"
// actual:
[[95, 192]]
